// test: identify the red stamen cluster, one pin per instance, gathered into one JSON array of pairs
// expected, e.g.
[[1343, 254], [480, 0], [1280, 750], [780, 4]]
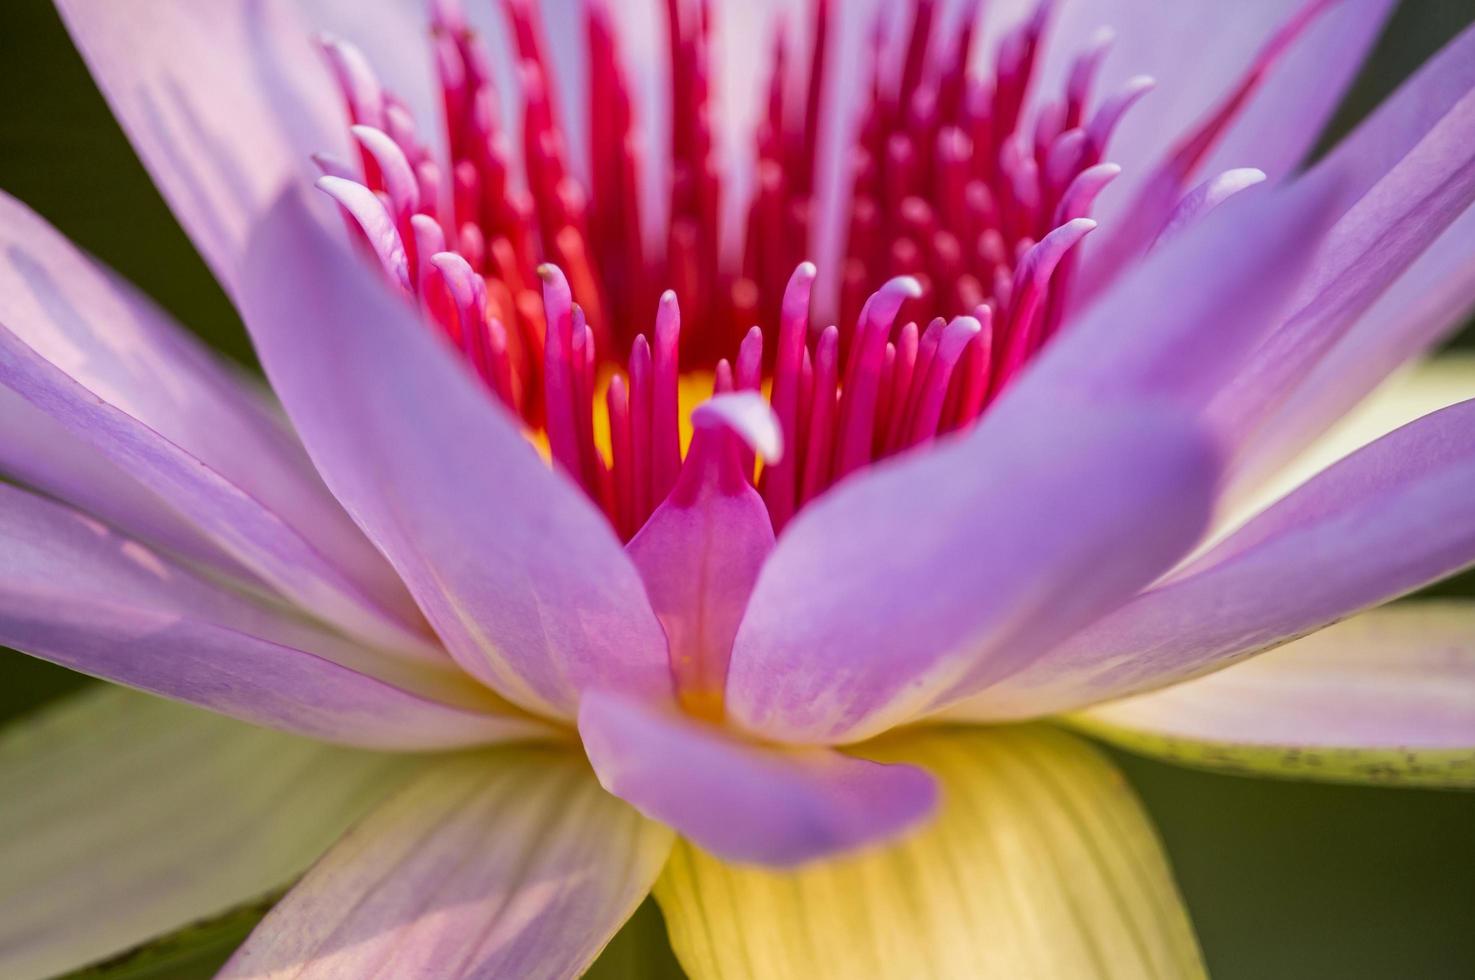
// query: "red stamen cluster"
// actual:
[[963, 207]]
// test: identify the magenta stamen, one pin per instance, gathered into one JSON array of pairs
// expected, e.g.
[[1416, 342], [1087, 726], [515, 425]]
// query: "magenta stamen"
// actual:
[[964, 199]]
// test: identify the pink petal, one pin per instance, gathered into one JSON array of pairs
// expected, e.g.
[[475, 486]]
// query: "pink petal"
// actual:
[[701, 550], [75, 593], [1198, 51], [980, 578], [1388, 696], [114, 372], [746, 802], [501, 864], [1411, 171], [1387, 227], [1392, 517], [523, 579], [41, 453], [1180, 324], [223, 103], [1032, 526]]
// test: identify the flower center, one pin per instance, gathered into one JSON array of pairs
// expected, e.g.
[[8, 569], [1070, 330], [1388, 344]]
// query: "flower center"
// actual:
[[956, 261]]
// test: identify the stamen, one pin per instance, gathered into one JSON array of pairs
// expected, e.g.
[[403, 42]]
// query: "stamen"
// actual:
[[965, 212]]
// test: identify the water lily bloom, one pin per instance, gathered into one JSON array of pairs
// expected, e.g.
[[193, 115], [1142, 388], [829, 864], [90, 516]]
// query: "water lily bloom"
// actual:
[[709, 443]]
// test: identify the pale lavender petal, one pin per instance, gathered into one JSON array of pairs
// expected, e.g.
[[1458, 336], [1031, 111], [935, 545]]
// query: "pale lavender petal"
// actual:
[[1179, 325], [1425, 301], [511, 863], [1398, 205], [742, 801], [41, 453], [700, 552], [821, 657], [524, 580], [1199, 51], [110, 368], [1434, 296], [223, 102], [76, 593], [1044, 518], [127, 817], [1386, 697], [1386, 520]]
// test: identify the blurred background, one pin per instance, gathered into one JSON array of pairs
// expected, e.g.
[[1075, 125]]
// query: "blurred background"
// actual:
[[1284, 880]]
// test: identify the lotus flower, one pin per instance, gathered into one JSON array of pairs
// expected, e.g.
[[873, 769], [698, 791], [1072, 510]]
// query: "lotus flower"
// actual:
[[598, 589]]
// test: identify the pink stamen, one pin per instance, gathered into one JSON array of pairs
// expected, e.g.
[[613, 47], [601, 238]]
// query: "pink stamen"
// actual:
[[965, 203]]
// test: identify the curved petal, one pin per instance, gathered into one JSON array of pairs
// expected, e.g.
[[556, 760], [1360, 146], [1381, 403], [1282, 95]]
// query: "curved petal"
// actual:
[[1423, 388], [505, 864], [41, 453], [743, 801], [1407, 175], [1198, 51], [223, 103], [127, 816], [1027, 529], [78, 594], [1181, 323], [111, 369], [524, 580], [1392, 517], [1041, 864], [700, 551], [1432, 298], [1385, 697], [1253, 89]]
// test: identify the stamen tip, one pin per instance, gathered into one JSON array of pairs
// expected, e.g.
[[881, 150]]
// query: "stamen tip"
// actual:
[[749, 416]]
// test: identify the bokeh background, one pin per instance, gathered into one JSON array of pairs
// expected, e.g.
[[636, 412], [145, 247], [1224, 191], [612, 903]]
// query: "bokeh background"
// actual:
[[1284, 880]]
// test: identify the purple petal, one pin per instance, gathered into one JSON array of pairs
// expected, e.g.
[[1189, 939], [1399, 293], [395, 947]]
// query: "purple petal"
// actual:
[[500, 864], [1198, 52], [75, 593], [742, 801], [41, 453], [1182, 321], [113, 371], [1391, 222], [1388, 696], [1043, 519], [1386, 520], [138, 816], [1408, 166], [523, 579], [223, 104], [1434, 296], [701, 550]]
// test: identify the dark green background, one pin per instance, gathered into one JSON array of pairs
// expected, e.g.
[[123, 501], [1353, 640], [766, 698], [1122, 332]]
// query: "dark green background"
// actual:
[[1284, 880]]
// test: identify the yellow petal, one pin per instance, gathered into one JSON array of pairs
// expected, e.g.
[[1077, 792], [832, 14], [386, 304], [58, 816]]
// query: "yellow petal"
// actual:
[[1041, 864]]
